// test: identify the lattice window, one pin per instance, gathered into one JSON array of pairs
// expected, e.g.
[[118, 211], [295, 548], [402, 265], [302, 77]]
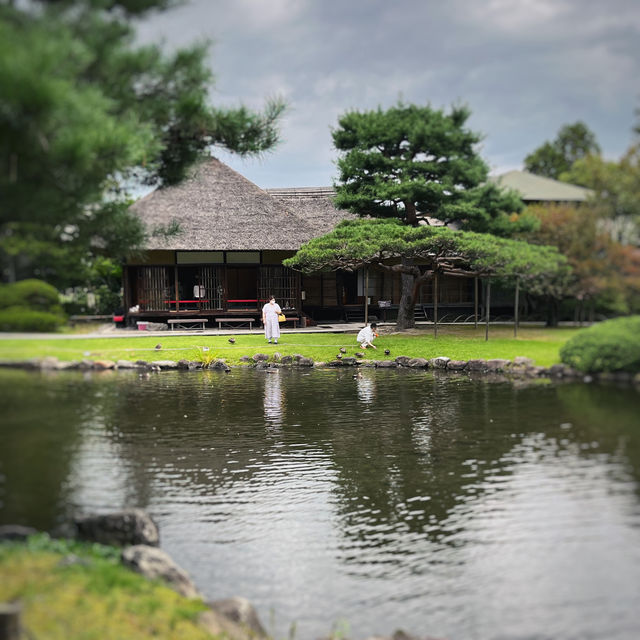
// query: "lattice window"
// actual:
[[281, 282], [212, 279], [153, 288]]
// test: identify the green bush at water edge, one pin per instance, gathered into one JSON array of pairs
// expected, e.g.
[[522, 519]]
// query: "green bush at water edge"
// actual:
[[613, 345]]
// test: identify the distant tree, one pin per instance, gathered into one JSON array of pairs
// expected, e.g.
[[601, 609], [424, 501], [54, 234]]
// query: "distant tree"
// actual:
[[605, 274], [616, 187], [414, 163], [84, 112], [552, 159]]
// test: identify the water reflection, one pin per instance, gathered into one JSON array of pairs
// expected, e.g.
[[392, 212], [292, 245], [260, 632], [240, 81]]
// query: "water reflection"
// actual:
[[455, 507], [273, 400]]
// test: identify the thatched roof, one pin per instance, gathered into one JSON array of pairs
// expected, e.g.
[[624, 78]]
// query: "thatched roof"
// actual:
[[534, 188], [218, 209], [314, 204]]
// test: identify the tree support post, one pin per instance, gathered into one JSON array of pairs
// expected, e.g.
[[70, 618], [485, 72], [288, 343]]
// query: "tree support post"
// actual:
[[366, 295], [475, 302], [488, 310], [515, 309], [435, 304]]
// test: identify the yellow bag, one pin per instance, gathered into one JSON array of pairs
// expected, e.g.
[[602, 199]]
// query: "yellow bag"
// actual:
[[282, 317]]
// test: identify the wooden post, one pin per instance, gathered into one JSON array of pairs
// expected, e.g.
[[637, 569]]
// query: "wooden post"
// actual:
[[10, 627], [515, 309], [475, 302], [487, 306], [366, 295], [435, 304], [177, 287]]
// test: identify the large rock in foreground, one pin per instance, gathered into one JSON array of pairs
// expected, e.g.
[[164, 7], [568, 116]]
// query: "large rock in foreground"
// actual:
[[129, 527], [240, 611], [155, 564]]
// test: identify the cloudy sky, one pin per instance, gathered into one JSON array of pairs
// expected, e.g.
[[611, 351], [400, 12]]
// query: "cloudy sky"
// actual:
[[524, 67]]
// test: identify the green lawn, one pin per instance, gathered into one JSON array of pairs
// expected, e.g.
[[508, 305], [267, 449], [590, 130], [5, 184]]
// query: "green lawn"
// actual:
[[459, 343]]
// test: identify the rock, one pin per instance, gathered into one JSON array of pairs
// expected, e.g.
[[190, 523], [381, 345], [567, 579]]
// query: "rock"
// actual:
[[165, 364], [403, 361], [286, 360], [343, 362], [126, 364], [305, 362], [219, 365], [418, 363], [277, 356], [385, 364], [556, 370], [636, 378], [132, 526], [142, 363], [457, 365], [184, 364], [523, 361], [103, 365], [240, 611], [245, 359], [49, 363], [16, 532], [477, 365], [497, 364], [260, 357], [297, 356], [155, 564], [401, 635], [439, 363]]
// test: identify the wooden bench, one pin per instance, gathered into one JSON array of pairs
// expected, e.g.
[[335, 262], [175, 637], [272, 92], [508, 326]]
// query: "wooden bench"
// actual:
[[239, 321], [181, 323], [294, 319]]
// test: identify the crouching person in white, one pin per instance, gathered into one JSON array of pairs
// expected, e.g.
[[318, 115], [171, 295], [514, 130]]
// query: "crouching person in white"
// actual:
[[367, 335]]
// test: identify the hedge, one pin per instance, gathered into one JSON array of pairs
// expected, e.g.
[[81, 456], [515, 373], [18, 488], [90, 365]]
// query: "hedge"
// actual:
[[25, 319], [32, 294], [613, 345]]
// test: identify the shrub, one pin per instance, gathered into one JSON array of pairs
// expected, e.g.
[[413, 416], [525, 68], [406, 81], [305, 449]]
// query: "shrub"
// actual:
[[25, 319], [613, 345], [32, 294]]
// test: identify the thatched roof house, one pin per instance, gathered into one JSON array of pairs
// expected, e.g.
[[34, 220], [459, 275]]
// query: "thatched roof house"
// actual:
[[232, 239]]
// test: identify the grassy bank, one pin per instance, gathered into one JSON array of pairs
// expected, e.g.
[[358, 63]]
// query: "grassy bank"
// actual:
[[77, 590], [458, 343]]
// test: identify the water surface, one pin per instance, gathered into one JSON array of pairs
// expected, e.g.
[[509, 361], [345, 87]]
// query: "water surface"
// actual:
[[448, 507]]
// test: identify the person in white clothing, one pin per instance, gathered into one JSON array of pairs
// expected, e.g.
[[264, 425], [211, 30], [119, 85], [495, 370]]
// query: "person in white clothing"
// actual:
[[270, 313], [367, 335]]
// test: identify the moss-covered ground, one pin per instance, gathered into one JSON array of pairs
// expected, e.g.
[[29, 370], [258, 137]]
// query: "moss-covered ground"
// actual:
[[80, 591], [456, 342]]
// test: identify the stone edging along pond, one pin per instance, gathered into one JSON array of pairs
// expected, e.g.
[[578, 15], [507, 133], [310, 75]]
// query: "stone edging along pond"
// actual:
[[519, 368]]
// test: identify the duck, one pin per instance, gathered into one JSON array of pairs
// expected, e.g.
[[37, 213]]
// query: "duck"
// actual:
[[232, 340], [343, 350], [158, 347], [387, 352], [339, 356]]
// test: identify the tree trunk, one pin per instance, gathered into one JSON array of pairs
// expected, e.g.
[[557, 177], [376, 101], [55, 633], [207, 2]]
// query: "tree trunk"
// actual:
[[552, 313], [406, 315]]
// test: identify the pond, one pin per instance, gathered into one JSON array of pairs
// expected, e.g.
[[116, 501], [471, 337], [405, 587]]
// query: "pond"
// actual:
[[448, 507]]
